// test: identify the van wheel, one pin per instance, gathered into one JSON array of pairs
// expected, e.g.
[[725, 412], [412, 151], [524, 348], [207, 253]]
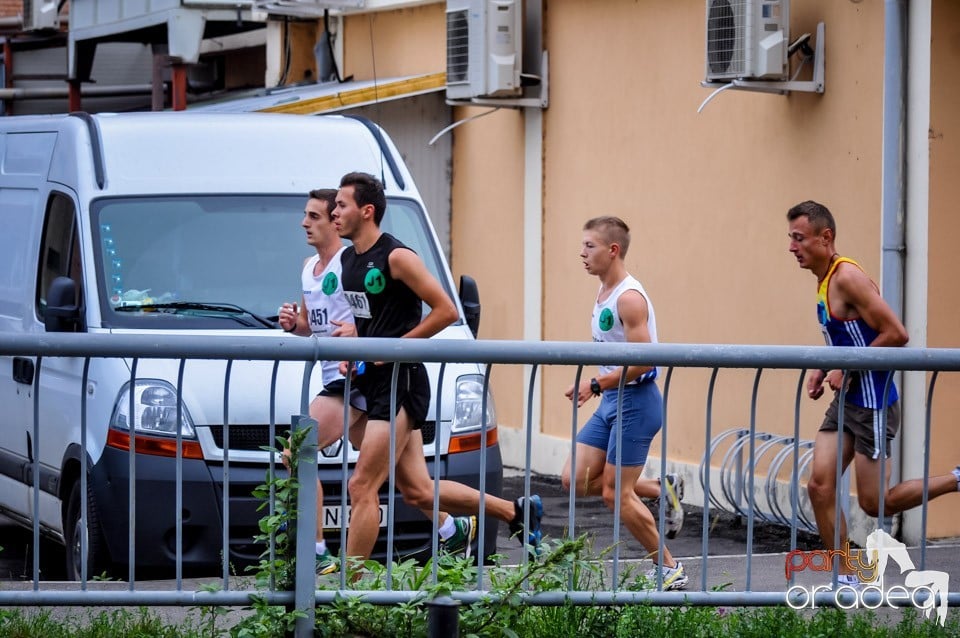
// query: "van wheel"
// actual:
[[98, 559]]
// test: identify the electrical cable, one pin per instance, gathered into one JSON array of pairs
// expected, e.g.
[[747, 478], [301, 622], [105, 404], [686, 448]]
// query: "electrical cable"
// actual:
[[714, 94], [459, 122], [333, 58], [286, 51]]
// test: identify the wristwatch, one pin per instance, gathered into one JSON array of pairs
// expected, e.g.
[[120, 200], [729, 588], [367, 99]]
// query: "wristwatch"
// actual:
[[595, 387]]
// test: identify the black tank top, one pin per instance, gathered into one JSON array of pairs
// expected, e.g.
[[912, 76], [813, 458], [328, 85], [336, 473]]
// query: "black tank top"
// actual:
[[382, 306]]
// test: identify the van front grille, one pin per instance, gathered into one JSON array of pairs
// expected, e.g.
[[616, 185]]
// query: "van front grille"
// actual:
[[255, 437]]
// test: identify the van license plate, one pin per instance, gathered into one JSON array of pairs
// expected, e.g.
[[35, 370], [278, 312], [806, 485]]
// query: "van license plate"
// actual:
[[331, 516]]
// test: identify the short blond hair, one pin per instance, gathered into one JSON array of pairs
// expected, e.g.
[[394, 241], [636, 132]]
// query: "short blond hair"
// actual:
[[612, 230]]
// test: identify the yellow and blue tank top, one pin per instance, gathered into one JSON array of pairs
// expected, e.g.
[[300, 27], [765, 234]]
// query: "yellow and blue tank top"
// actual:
[[866, 388]]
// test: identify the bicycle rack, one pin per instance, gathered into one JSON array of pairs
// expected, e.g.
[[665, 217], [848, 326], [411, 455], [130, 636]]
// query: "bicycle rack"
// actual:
[[735, 470]]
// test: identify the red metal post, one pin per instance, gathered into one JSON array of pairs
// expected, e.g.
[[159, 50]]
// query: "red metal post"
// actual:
[[178, 91], [8, 73], [73, 95]]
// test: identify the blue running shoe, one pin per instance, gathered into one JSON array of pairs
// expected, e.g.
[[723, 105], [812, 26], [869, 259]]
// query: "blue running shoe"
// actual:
[[535, 535]]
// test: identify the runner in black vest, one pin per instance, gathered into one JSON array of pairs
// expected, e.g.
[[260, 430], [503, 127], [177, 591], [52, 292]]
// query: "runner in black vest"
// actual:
[[386, 284]]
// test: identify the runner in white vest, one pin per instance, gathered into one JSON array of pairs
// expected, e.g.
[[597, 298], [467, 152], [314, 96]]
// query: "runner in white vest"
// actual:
[[324, 312], [623, 313]]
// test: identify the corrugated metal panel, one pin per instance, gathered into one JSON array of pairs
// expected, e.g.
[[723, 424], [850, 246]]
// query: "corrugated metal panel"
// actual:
[[115, 64], [411, 122]]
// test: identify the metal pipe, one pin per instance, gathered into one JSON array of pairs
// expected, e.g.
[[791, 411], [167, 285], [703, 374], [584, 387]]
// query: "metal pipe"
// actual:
[[87, 90], [892, 201]]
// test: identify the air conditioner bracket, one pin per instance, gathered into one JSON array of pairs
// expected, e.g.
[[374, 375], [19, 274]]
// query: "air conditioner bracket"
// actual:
[[539, 102], [783, 87]]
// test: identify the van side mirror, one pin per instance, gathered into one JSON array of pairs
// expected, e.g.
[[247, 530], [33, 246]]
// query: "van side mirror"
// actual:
[[470, 299], [62, 313]]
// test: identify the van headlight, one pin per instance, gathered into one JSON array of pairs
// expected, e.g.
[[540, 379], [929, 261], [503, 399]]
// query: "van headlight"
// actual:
[[154, 409], [468, 410]]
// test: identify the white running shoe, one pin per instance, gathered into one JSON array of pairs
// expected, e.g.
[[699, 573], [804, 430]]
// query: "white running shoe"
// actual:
[[673, 577], [673, 514]]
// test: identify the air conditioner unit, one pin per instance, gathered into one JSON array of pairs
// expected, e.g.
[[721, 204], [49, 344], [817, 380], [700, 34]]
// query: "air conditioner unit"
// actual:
[[484, 45], [304, 8], [40, 14], [747, 39]]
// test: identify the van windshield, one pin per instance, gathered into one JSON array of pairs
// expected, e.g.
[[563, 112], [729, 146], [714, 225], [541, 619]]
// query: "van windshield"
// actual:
[[216, 261]]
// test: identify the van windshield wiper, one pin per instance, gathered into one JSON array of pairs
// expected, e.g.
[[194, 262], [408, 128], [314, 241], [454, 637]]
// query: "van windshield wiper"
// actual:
[[231, 309]]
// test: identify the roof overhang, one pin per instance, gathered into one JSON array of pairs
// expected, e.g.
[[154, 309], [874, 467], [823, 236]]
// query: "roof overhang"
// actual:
[[330, 97]]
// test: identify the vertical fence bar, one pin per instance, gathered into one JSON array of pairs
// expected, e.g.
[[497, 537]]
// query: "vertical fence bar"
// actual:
[[838, 511], [795, 471], [882, 491], [84, 379], [392, 481], [35, 477], [344, 475], [661, 528], [305, 574], [179, 479], [132, 457], [704, 549], [226, 475], [271, 469], [524, 558], [926, 474], [482, 510], [435, 529], [572, 492], [618, 476], [751, 463]]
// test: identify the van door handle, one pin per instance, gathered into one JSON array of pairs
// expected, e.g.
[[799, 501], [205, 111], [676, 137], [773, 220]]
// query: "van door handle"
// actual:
[[23, 370]]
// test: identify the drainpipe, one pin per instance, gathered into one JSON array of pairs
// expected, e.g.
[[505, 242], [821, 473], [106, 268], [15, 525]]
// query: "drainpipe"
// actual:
[[917, 202], [894, 109], [892, 174]]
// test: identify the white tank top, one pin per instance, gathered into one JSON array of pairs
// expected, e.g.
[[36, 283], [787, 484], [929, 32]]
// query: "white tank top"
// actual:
[[325, 302], [607, 326]]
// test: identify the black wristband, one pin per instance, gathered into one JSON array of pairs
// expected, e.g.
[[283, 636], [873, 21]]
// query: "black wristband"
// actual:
[[595, 387], [293, 329]]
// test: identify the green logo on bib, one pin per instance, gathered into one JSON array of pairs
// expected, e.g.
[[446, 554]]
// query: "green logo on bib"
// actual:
[[606, 319], [329, 284], [374, 282]]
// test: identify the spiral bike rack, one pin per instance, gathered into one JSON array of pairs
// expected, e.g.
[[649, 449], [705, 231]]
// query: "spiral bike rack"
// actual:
[[733, 495]]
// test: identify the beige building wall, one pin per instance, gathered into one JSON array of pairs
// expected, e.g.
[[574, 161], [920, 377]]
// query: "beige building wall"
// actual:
[[396, 43], [486, 230], [705, 194], [944, 234]]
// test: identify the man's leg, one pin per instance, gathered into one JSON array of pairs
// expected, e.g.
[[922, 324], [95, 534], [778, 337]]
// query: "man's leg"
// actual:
[[591, 462], [369, 474], [650, 489], [639, 520], [416, 486], [327, 411], [636, 516], [901, 496], [822, 486]]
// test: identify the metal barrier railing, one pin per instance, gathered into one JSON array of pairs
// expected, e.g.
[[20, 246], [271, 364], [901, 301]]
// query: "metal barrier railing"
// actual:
[[737, 470]]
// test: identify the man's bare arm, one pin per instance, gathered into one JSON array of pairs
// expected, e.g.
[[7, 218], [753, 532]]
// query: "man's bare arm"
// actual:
[[859, 292], [406, 266]]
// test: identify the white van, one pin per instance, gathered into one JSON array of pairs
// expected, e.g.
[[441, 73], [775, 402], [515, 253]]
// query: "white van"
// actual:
[[185, 223]]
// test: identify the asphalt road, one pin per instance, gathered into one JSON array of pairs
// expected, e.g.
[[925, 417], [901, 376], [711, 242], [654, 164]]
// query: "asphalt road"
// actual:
[[727, 533]]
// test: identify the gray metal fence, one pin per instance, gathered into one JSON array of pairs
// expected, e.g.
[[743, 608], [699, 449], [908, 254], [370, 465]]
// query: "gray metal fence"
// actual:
[[788, 454]]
